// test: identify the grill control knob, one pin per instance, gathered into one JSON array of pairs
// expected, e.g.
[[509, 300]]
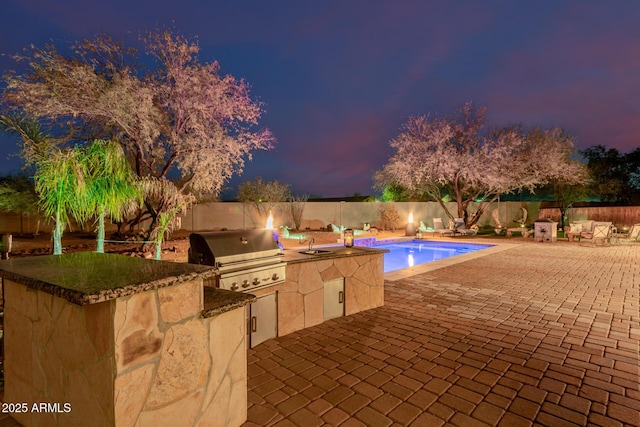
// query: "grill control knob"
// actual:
[[275, 276], [245, 283], [256, 281], [234, 286]]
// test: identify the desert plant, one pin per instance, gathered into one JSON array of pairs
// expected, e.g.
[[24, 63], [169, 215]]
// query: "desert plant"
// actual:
[[389, 216], [112, 184], [264, 196], [62, 187], [166, 195], [297, 205]]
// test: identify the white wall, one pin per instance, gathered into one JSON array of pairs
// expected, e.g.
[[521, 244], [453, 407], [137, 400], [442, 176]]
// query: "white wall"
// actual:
[[236, 215]]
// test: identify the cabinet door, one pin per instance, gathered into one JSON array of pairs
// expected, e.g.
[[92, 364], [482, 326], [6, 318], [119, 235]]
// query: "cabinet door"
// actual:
[[263, 319], [333, 298]]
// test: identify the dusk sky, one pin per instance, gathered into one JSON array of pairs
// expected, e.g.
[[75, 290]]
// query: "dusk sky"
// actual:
[[339, 78]]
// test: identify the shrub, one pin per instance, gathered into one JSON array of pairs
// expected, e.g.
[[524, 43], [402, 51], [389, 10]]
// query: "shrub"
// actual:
[[389, 216]]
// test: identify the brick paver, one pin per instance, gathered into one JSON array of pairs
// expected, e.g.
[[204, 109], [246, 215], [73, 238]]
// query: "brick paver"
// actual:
[[538, 334]]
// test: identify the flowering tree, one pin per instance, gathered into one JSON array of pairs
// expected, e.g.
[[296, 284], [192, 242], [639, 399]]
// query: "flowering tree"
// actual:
[[180, 116], [450, 158]]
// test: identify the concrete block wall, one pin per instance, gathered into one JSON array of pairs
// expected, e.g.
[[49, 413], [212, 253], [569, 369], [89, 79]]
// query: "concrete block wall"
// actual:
[[235, 215]]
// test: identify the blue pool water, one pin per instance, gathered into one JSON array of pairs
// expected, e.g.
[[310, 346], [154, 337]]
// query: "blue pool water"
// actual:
[[408, 254]]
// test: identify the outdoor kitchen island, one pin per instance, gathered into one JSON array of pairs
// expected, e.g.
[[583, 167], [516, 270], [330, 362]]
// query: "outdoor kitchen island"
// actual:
[[295, 289], [341, 281], [111, 340]]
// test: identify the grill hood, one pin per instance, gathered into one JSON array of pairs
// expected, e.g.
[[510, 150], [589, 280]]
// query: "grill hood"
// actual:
[[227, 247]]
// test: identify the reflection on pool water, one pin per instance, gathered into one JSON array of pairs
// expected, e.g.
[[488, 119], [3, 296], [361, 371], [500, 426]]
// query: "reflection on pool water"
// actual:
[[407, 254]]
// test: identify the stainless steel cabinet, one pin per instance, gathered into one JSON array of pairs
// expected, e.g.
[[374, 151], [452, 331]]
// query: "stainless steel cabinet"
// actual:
[[263, 319], [333, 298]]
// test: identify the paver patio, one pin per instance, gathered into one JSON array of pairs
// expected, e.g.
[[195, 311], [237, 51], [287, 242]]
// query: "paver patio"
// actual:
[[538, 334]]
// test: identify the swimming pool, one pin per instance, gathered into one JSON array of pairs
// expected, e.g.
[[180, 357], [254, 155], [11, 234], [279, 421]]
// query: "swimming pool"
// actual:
[[407, 254]]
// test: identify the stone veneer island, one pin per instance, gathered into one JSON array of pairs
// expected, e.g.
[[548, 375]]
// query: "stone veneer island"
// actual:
[[300, 298], [109, 340]]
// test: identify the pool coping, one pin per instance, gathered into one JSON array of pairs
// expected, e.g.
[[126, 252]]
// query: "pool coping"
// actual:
[[446, 262], [441, 263]]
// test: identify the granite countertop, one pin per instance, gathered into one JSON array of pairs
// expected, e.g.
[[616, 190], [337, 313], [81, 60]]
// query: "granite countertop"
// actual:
[[89, 277], [293, 256], [218, 301]]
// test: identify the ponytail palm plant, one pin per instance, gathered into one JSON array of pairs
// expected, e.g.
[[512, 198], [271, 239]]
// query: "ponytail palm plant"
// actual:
[[166, 195], [59, 177], [78, 183], [61, 184], [112, 185], [81, 183]]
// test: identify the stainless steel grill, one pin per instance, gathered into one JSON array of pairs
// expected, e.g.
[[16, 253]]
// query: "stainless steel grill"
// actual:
[[246, 260]]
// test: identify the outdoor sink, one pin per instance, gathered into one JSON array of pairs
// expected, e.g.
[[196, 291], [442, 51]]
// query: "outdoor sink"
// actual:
[[314, 252]]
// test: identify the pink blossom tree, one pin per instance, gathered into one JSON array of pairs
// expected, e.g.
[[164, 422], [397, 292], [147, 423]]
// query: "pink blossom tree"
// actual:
[[179, 119], [451, 158]]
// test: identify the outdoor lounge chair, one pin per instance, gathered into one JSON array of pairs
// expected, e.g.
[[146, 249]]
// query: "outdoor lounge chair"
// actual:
[[601, 233], [633, 235], [438, 227], [461, 227], [583, 228]]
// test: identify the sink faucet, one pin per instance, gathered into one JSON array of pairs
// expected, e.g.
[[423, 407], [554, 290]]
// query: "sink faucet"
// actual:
[[311, 242]]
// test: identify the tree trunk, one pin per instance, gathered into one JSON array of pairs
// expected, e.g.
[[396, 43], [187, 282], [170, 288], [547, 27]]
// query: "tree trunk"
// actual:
[[563, 213], [100, 237], [57, 236], [120, 225], [482, 207], [147, 247], [445, 209], [158, 251]]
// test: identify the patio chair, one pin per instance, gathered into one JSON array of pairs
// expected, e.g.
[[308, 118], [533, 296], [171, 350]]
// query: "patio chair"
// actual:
[[601, 233], [461, 227], [633, 235], [580, 229], [438, 227]]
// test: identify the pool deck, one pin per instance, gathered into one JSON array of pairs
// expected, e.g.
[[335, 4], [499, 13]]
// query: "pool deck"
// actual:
[[522, 334]]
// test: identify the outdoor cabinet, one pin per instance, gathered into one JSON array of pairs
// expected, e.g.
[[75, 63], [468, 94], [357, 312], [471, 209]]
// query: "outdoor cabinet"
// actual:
[[333, 298], [263, 319]]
